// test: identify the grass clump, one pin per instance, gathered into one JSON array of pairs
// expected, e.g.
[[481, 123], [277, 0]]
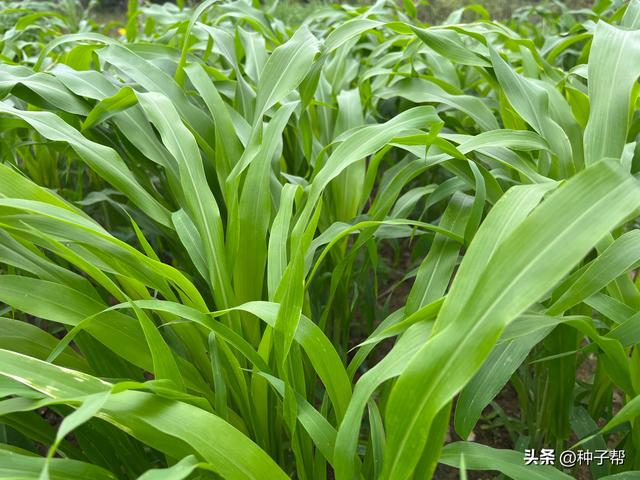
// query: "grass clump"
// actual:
[[238, 243]]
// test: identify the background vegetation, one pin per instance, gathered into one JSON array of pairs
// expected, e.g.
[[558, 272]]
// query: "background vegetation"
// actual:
[[293, 12]]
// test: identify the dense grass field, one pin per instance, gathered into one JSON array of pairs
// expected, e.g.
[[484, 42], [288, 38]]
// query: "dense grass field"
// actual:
[[358, 242]]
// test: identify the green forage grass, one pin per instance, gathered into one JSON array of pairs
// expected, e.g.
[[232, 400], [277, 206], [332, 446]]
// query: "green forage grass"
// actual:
[[365, 246]]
